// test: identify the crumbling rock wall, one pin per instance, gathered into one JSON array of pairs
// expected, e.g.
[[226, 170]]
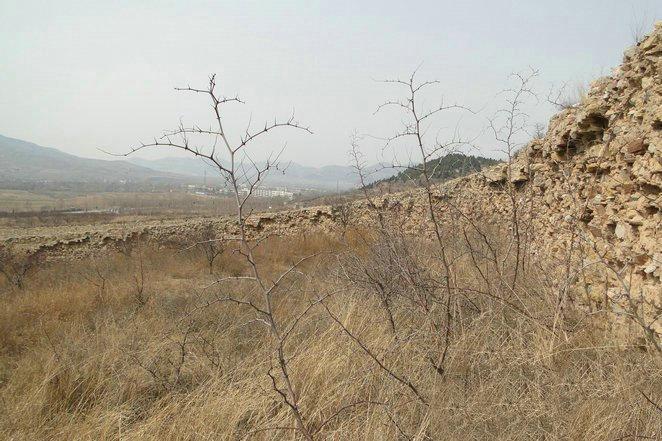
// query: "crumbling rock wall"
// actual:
[[594, 180], [84, 240]]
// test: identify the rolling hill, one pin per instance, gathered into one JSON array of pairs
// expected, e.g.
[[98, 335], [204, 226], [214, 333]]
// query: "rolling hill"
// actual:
[[26, 162], [453, 165]]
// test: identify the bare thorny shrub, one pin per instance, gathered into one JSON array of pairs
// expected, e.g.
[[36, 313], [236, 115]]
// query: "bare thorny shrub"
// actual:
[[244, 175], [394, 271], [414, 129], [211, 245], [16, 266]]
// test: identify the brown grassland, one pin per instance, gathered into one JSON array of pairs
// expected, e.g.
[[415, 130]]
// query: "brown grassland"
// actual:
[[139, 345]]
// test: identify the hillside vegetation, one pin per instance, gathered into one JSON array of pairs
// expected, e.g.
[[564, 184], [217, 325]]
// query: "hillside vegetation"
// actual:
[[450, 166], [23, 163]]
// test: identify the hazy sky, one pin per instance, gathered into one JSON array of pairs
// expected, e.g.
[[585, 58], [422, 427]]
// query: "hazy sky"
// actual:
[[79, 75]]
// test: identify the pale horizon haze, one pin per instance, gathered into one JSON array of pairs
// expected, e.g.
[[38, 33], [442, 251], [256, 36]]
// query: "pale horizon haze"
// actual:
[[88, 75]]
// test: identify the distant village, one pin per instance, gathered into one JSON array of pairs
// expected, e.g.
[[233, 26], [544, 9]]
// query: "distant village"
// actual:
[[260, 192]]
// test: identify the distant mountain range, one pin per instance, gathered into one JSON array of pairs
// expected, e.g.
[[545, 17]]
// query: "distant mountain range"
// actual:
[[23, 162], [289, 174]]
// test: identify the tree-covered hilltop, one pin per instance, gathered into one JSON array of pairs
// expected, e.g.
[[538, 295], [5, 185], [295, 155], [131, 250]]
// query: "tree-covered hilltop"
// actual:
[[453, 165]]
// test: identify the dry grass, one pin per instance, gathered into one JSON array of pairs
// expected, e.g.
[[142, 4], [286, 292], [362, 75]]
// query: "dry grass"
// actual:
[[86, 354]]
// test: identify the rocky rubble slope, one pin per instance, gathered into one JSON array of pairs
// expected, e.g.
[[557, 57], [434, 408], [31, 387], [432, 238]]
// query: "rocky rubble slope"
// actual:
[[594, 180]]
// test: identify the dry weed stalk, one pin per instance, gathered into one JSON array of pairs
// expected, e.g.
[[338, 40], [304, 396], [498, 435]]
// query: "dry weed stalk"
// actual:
[[414, 128]]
